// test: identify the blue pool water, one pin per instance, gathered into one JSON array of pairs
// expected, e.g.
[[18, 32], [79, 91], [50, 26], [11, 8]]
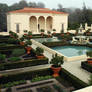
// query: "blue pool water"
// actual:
[[41, 40], [71, 51]]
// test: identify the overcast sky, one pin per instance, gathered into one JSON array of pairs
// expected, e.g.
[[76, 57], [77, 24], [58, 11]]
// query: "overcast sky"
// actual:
[[54, 3]]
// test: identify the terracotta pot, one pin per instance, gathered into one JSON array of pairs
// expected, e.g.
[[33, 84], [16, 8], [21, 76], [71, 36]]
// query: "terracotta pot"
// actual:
[[28, 49], [30, 36], [89, 60], [22, 43], [25, 34], [54, 33], [49, 36], [56, 71], [39, 57]]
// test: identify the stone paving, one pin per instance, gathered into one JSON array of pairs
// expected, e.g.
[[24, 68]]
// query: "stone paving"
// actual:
[[73, 67], [40, 86]]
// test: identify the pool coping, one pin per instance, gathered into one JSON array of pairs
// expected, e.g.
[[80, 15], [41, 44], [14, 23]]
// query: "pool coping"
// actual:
[[74, 58]]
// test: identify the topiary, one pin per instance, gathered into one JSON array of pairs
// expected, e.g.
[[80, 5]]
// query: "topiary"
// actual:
[[14, 59], [39, 51], [18, 52], [57, 60]]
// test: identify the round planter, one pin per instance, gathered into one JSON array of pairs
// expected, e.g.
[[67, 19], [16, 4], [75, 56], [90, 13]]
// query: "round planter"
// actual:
[[28, 49], [30, 36], [22, 43], [40, 57], [56, 71], [89, 60]]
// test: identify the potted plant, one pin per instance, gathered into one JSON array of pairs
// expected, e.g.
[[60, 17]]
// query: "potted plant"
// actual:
[[39, 53], [89, 59], [54, 31], [42, 32], [27, 45], [56, 62], [49, 33], [25, 32], [30, 34], [21, 40], [13, 35]]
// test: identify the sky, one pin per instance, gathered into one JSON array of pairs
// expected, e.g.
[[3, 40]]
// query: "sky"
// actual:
[[54, 3]]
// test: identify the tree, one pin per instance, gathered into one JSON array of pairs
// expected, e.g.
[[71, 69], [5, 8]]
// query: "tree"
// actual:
[[32, 4], [40, 5], [3, 21]]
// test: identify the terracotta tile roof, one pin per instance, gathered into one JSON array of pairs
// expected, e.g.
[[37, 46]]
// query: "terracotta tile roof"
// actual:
[[36, 10]]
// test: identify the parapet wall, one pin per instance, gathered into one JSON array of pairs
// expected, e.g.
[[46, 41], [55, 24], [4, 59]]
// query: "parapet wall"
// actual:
[[74, 58]]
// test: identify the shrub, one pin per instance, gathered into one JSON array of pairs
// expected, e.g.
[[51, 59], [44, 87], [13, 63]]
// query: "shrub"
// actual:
[[12, 40], [57, 60], [14, 83], [39, 78], [14, 59], [86, 66], [2, 57], [76, 82], [18, 52], [26, 63], [39, 51], [24, 75], [90, 81]]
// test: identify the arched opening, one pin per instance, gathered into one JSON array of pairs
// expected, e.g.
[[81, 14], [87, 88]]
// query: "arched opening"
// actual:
[[41, 23], [49, 23], [33, 24]]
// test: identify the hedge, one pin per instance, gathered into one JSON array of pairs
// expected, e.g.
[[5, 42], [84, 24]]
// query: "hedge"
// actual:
[[10, 47], [26, 63], [24, 75], [52, 44], [76, 82], [86, 66]]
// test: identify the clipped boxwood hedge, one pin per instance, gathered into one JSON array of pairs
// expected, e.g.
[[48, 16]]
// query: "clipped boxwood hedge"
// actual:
[[26, 63], [76, 82], [24, 75], [86, 66], [52, 44], [10, 47]]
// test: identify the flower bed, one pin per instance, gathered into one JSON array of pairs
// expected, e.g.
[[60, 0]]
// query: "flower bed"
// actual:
[[25, 63], [65, 75], [86, 66]]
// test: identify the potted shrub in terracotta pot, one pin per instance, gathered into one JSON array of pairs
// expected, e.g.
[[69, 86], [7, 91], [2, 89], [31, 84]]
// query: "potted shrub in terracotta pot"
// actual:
[[89, 59], [25, 32], [39, 53], [42, 32], [56, 62], [49, 33], [10, 33], [54, 31], [21, 40], [13, 35], [30, 34], [27, 45]]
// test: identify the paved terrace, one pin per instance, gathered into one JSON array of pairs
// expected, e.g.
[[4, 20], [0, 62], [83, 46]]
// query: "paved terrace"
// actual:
[[73, 67]]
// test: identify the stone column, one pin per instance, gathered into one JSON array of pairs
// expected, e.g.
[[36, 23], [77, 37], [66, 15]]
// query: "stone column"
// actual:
[[45, 25], [37, 26]]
